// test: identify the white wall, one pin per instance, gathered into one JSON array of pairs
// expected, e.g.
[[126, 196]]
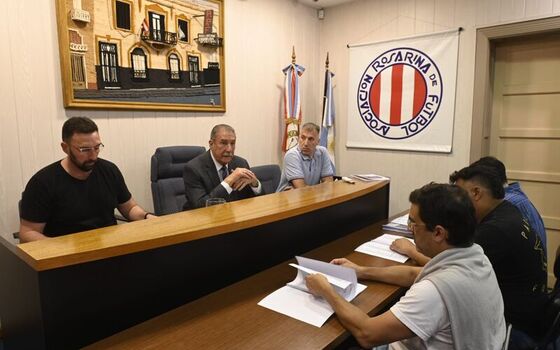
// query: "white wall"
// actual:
[[368, 21], [259, 35]]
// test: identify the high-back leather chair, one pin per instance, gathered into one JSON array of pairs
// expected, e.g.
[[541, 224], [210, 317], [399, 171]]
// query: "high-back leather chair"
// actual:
[[168, 188], [269, 176]]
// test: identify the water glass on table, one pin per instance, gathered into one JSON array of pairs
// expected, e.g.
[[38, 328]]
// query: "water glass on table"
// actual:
[[214, 201]]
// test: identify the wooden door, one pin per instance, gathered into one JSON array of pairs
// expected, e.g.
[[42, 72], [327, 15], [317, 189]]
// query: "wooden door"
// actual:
[[525, 125]]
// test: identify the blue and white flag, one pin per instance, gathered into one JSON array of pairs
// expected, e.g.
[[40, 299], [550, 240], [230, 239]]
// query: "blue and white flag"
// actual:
[[327, 125]]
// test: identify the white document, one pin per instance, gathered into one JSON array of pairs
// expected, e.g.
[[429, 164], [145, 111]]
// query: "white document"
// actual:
[[400, 225], [380, 247], [401, 220], [294, 299], [369, 177]]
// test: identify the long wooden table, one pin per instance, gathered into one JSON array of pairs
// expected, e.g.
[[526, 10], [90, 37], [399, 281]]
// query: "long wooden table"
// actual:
[[71, 291], [231, 319]]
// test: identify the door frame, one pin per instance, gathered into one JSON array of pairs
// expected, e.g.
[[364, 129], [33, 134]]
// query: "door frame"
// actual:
[[484, 72]]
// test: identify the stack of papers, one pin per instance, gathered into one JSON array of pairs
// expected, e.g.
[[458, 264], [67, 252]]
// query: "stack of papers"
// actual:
[[400, 225], [369, 177], [380, 247], [296, 301]]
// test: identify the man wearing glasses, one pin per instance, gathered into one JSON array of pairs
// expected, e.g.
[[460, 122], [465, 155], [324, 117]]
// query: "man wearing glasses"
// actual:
[[454, 301], [77, 193]]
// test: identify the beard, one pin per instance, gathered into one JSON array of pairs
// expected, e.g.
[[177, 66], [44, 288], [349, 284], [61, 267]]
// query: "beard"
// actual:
[[84, 166]]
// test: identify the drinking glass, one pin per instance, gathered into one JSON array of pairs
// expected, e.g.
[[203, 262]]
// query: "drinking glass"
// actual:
[[214, 201]]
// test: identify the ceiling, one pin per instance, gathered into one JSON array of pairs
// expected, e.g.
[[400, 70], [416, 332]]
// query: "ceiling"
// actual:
[[321, 4]]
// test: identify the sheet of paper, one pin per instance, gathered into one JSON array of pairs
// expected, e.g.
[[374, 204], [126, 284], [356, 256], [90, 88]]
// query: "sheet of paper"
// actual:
[[335, 281], [380, 247], [369, 177], [301, 305], [401, 220], [294, 299], [336, 273]]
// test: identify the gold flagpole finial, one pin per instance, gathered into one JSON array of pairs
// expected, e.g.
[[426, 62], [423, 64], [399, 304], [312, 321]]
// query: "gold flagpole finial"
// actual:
[[327, 61], [293, 55]]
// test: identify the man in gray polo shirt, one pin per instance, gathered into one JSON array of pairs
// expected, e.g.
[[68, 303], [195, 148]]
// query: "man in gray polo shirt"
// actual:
[[307, 164]]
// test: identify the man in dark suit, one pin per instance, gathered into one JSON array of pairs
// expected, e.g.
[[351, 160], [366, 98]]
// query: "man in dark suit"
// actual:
[[219, 173]]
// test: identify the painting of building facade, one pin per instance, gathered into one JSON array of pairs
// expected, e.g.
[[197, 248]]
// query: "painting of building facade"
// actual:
[[142, 54]]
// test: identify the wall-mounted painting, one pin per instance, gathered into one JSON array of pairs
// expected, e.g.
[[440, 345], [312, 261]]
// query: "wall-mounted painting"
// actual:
[[142, 54]]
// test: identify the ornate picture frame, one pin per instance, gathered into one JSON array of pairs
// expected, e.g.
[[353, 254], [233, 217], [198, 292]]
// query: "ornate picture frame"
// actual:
[[142, 54]]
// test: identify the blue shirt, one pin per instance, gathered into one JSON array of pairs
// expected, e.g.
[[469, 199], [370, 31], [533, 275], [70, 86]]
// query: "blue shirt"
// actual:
[[517, 197], [310, 169]]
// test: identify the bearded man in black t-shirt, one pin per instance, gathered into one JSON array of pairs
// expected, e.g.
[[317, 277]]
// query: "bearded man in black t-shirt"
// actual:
[[515, 251], [77, 193]]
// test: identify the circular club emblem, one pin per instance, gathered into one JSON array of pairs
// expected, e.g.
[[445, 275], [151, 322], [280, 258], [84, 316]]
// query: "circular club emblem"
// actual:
[[399, 93]]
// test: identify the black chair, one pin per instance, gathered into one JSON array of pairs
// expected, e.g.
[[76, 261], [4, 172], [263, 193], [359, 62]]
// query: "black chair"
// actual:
[[269, 176], [168, 188], [551, 316], [16, 234]]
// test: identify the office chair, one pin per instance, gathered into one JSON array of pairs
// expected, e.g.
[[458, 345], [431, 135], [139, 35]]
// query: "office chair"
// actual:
[[16, 234], [168, 188], [269, 176], [552, 313]]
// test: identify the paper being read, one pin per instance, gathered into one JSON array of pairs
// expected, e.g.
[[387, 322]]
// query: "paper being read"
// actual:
[[343, 279], [294, 299]]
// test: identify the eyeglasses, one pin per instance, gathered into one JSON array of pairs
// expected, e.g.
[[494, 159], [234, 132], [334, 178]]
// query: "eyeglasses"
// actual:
[[96, 148], [412, 225]]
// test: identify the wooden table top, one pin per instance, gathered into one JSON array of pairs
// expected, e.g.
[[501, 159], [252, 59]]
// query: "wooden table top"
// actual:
[[187, 226], [231, 319]]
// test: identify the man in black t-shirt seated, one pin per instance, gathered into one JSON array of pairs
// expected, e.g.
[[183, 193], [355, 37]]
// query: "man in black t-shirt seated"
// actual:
[[513, 248], [77, 193]]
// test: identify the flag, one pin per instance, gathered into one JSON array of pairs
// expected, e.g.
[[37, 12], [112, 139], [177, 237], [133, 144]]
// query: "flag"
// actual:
[[327, 125], [292, 103], [401, 93], [145, 26]]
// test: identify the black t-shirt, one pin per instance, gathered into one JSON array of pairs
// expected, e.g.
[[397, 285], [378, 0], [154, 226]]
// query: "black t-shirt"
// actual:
[[519, 262], [69, 205]]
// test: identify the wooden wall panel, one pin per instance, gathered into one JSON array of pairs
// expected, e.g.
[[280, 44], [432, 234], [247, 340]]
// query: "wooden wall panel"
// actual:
[[259, 39], [538, 7], [556, 6], [392, 19], [260, 35]]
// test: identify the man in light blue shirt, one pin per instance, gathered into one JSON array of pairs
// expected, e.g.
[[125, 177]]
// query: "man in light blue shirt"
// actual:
[[307, 164]]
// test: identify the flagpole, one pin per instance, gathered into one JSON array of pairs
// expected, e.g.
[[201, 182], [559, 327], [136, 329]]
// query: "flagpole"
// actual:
[[327, 138]]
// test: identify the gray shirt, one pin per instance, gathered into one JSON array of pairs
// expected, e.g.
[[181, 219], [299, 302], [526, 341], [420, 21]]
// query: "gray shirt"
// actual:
[[467, 284], [310, 169]]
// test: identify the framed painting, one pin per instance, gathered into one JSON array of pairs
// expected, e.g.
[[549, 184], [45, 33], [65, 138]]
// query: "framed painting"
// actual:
[[142, 54]]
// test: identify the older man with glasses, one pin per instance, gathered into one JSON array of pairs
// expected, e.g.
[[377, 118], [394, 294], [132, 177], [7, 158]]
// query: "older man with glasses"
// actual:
[[454, 301], [77, 193]]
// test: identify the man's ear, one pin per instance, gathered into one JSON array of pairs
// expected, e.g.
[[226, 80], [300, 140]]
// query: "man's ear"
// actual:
[[440, 234], [65, 147], [476, 193]]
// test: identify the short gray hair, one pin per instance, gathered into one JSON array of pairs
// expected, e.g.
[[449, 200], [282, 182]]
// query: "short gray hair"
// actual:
[[311, 126], [219, 127]]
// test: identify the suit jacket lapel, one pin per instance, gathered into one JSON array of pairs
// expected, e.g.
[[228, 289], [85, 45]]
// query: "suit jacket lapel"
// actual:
[[211, 171]]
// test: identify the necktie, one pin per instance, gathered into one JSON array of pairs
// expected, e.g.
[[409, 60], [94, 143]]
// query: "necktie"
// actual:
[[223, 172]]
